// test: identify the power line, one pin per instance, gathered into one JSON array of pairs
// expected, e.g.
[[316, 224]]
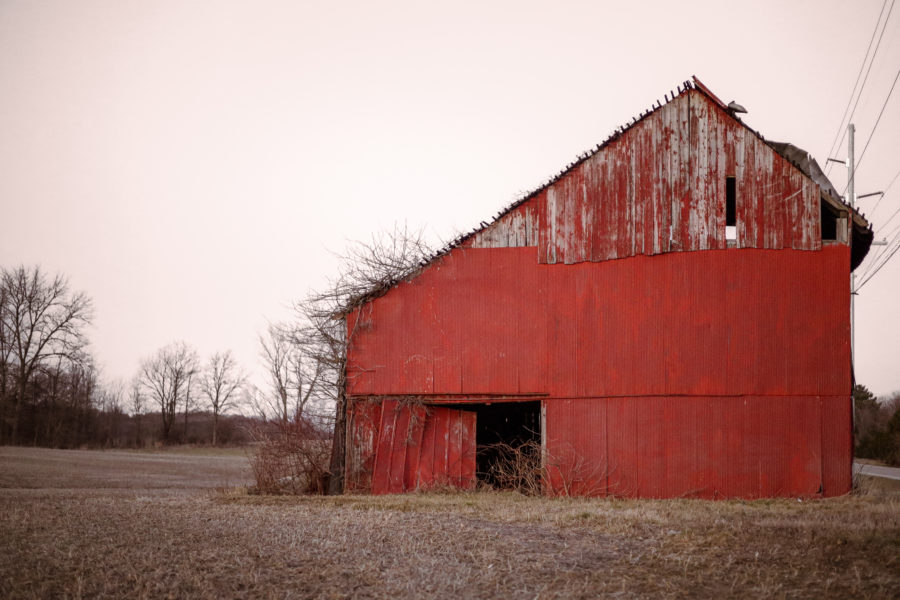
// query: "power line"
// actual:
[[884, 254], [871, 135], [880, 266], [893, 179], [868, 70], [876, 257], [891, 218], [890, 234], [858, 75]]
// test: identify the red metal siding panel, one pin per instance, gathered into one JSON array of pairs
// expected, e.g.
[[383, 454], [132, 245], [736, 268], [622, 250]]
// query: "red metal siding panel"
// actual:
[[431, 455], [444, 347], [562, 352], [575, 456], [384, 448], [837, 445], [396, 453], [419, 447], [624, 442], [364, 418], [718, 322], [531, 342], [415, 432], [710, 447], [467, 440], [360, 381]]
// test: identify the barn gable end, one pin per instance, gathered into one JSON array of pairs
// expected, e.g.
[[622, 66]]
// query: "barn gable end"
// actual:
[[667, 356], [661, 187]]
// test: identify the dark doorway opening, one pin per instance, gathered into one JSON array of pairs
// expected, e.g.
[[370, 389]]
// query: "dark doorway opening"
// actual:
[[508, 444]]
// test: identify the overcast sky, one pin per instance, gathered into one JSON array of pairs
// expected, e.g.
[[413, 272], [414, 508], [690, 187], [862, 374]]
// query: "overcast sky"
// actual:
[[193, 166]]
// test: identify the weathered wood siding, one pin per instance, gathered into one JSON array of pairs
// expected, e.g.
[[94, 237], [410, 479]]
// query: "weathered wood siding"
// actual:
[[660, 188]]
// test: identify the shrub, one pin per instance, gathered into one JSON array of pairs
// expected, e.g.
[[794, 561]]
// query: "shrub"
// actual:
[[291, 458]]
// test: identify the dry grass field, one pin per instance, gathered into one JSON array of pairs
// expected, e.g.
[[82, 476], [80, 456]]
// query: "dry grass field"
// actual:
[[181, 525]]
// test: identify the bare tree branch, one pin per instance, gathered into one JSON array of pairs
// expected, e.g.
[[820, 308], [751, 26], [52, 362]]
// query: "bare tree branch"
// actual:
[[40, 319], [221, 382], [166, 378], [320, 332]]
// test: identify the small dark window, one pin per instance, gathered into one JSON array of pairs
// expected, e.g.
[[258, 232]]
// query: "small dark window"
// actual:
[[828, 220], [730, 209]]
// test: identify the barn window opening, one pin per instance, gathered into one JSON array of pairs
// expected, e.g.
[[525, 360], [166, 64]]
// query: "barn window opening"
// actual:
[[730, 209], [828, 218], [508, 445]]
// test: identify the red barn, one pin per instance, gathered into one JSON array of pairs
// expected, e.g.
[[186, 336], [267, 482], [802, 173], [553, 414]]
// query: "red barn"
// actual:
[[668, 316]]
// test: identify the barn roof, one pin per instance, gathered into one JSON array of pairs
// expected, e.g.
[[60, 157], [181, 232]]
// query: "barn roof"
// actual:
[[799, 158]]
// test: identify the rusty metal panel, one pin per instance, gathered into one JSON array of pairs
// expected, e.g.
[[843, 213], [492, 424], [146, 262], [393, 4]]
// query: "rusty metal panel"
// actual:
[[719, 322], [575, 457], [481, 322], [363, 418], [384, 445], [448, 449], [706, 363], [837, 445], [445, 345], [420, 447], [708, 447], [360, 381], [532, 331], [623, 446]]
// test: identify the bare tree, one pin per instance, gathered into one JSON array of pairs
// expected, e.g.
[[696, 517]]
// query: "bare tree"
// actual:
[[221, 383], [166, 377], [187, 404], [323, 331], [274, 350], [292, 372], [136, 401], [5, 362], [40, 320], [110, 400]]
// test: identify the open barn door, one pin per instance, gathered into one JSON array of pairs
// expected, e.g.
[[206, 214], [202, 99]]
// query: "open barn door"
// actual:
[[421, 447]]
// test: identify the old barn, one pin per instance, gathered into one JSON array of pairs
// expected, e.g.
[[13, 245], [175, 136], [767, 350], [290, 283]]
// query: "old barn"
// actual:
[[668, 316]]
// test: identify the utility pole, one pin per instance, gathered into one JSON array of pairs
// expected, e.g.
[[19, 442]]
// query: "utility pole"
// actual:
[[851, 200]]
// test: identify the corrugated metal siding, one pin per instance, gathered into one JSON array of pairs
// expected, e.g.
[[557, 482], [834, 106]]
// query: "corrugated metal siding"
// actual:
[[661, 188], [709, 447], [665, 372], [410, 447], [493, 321], [837, 445], [363, 421]]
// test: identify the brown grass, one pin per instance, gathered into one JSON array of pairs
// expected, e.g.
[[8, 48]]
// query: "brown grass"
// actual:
[[150, 539]]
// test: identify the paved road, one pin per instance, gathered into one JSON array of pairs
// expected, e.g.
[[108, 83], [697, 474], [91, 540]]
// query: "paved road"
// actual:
[[886, 472]]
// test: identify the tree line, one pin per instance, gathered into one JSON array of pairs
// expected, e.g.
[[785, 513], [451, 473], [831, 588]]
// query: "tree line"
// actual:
[[52, 394], [876, 426]]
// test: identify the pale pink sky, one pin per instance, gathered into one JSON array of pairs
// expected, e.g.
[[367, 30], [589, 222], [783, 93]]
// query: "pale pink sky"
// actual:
[[191, 165]]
